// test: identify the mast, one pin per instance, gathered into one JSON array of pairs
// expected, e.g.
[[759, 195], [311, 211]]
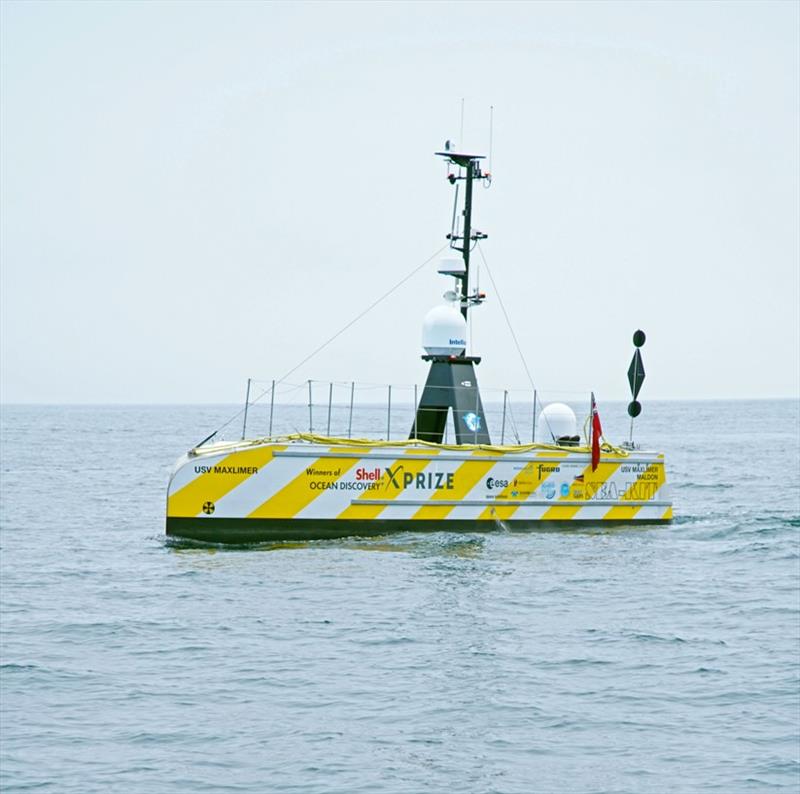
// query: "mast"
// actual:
[[452, 386], [467, 233], [471, 164]]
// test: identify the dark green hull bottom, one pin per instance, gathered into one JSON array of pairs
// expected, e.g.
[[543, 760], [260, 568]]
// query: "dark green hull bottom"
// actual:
[[269, 530]]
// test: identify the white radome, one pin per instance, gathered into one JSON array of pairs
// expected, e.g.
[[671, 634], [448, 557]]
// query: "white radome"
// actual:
[[556, 421], [444, 332]]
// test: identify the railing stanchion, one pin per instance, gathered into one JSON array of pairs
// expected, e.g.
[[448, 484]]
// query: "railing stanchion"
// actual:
[[389, 416], [310, 411], [246, 403], [330, 401], [503, 426], [477, 415], [271, 407], [533, 421], [415, 412], [350, 421]]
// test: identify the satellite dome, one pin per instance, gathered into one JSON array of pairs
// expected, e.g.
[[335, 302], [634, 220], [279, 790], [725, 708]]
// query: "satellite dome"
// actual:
[[556, 421], [444, 332]]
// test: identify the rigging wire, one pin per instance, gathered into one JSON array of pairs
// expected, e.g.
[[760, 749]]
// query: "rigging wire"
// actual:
[[331, 339], [513, 335], [359, 316], [505, 314]]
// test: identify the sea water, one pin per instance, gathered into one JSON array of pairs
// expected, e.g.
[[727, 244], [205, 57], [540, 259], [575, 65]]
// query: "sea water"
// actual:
[[632, 659]]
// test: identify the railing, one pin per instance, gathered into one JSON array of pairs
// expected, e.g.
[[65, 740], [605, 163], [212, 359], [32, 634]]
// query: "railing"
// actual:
[[387, 411]]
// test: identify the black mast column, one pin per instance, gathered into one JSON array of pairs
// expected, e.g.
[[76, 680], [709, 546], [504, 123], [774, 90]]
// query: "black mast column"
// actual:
[[452, 383]]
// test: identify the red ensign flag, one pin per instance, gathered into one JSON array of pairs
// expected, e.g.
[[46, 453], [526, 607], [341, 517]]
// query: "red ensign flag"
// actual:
[[597, 431]]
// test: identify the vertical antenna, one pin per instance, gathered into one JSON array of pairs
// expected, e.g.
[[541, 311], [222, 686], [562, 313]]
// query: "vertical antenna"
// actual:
[[453, 227], [461, 133], [491, 127]]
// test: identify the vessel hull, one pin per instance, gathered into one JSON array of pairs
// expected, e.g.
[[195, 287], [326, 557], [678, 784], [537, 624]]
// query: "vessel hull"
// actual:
[[261, 491], [236, 531]]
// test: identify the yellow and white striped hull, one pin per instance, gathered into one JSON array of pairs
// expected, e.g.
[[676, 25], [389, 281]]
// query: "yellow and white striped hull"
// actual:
[[297, 488]]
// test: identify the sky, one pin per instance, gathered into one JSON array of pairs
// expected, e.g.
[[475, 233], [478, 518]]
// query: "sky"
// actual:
[[192, 194]]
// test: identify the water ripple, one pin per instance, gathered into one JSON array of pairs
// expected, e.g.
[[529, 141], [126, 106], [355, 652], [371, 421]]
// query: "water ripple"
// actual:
[[627, 661]]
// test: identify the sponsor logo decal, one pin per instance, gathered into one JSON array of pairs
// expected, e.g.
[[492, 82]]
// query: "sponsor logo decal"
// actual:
[[400, 479], [368, 474], [208, 508], [564, 489], [491, 482], [472, 421], [605, 491], [376, 479], [549, 490], [547, 468]]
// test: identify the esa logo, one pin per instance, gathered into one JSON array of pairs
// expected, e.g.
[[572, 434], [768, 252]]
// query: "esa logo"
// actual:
[[492, 483]]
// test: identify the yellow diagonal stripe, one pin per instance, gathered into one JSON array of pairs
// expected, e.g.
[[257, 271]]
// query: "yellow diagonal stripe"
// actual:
[[622, 513], [643, 488], [212, 486], [560, 512], [361, 508], [464, 479], [299, 493], [591, 479], [532, 475]]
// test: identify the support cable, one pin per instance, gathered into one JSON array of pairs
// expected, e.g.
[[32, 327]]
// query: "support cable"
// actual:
[[331, 339], [511, 329], [508, 321]]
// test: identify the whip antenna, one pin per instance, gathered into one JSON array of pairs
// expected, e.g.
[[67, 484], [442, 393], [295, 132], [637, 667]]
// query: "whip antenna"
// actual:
[[491, 127]]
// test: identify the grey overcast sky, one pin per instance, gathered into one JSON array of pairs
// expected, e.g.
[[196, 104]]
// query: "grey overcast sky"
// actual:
[[196, 193]]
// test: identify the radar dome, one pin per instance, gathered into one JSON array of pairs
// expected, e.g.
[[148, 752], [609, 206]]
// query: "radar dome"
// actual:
[[556, 421], [444, 332]]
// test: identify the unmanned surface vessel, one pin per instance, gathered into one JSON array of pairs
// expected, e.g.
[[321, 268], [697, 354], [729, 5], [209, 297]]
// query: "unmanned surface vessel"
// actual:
[[307, 486]]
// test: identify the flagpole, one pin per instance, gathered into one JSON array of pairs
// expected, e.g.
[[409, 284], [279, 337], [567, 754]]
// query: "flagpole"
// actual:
[[597, 432]]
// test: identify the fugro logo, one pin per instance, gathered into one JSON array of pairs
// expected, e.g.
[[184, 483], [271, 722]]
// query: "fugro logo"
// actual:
[[545, 469]]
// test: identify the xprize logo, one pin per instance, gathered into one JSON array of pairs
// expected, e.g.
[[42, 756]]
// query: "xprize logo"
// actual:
[[400, 479]]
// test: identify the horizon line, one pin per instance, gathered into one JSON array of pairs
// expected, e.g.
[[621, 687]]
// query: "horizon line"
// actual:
[[156, 404]]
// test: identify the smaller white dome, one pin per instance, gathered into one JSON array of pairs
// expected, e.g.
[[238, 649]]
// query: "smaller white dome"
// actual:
[[444, 332], [556, 421]]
